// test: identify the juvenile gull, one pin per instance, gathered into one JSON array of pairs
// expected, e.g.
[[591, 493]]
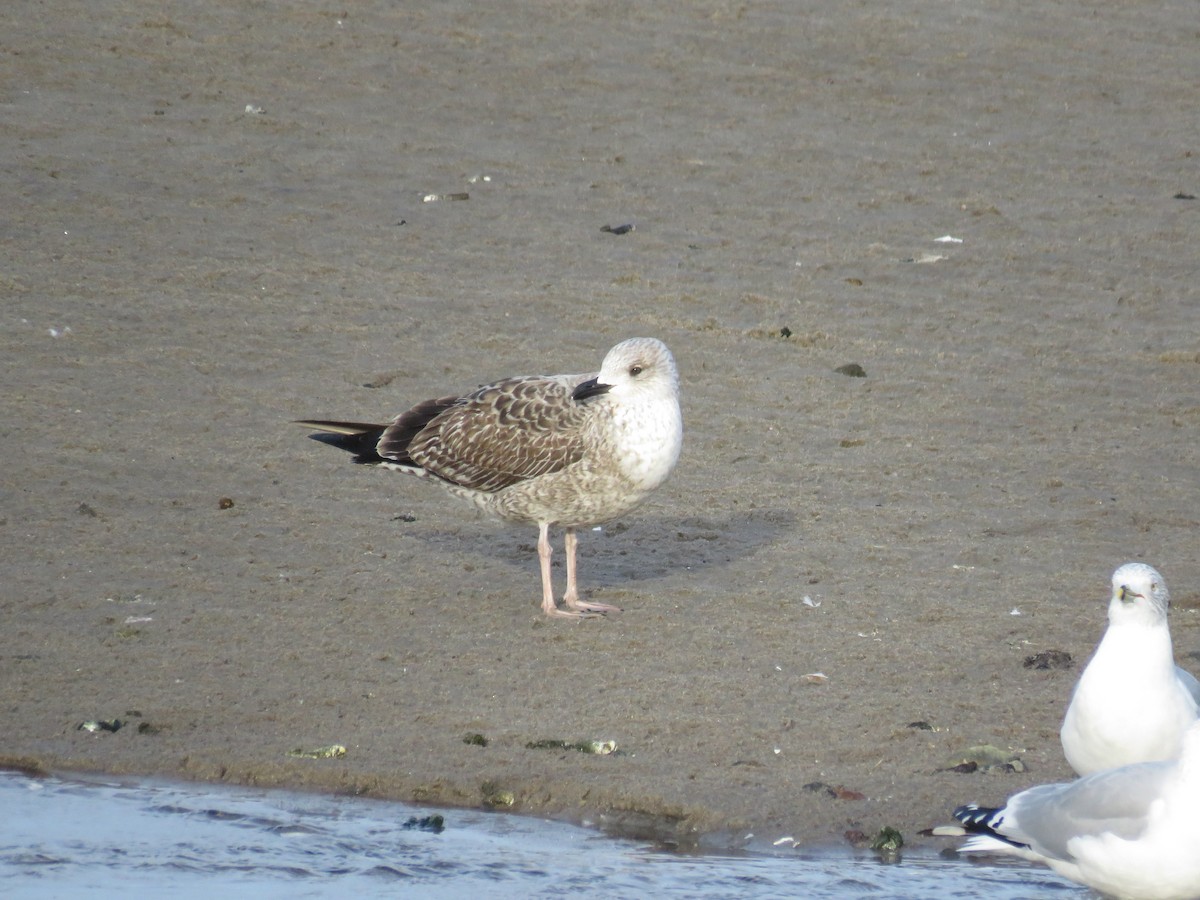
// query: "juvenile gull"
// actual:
[[1132, 703], [566, 450], [1131, 831]]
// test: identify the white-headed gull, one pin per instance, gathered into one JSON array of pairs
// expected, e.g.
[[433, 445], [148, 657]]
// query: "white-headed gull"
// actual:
[[1132, 703]]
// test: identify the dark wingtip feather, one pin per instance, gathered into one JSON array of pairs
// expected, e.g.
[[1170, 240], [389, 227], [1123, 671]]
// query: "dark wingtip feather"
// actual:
[[359, 438], [976, 818], [397, 437]]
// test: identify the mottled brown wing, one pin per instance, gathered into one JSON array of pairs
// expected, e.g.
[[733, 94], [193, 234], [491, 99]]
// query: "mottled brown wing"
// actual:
[[394, 442], [503, 433]]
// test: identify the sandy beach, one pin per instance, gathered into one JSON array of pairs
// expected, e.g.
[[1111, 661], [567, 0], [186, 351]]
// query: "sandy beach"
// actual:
[[223, 217]]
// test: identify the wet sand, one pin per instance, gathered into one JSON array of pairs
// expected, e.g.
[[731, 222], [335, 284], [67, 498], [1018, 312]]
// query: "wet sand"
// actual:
[[215, 224]]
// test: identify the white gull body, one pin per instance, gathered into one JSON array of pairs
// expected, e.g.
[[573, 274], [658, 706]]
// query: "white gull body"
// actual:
[[1132, 703], [1131, 832], [566, 450]]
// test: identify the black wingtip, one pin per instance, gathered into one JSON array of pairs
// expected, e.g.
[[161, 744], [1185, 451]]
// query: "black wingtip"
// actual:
[[362, 444], [976, 818]]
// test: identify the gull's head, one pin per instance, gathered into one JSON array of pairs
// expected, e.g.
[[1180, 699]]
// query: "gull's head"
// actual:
[[636, 368], [1139, 594]]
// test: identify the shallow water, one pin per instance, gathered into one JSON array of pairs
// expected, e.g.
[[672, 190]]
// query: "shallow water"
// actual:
[[102, 837]]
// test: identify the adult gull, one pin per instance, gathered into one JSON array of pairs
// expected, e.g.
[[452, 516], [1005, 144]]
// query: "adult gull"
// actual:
[[565, 450], [1132, 703], [1132, 831]]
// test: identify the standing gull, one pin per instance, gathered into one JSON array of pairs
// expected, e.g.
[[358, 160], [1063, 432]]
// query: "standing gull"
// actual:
[[1132, 703], [1129, 832], [567, 450]]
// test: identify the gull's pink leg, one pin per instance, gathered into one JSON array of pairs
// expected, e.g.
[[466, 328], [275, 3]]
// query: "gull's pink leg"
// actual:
[[571, 597], [549, 606]]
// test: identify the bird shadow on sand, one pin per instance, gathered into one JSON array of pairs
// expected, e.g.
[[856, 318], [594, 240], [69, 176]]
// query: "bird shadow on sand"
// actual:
[[646, 547]]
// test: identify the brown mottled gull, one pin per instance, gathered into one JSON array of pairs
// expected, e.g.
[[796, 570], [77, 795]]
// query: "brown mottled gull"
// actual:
[[567, 450]]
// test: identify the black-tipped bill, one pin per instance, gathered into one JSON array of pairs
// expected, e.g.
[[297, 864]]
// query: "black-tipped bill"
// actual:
[[590, 388]]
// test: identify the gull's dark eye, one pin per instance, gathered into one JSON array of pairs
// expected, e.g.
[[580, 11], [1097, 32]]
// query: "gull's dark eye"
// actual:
[[635, 370]]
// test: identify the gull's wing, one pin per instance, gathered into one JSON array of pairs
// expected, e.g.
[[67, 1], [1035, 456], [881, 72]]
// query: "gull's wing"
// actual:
[[496, 436], [1116, 801], [1189, 681]]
